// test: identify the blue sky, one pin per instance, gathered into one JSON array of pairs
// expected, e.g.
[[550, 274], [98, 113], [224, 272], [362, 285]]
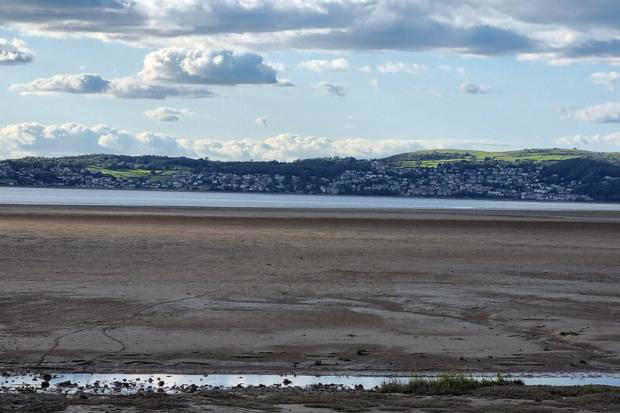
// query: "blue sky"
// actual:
[[286, 80]]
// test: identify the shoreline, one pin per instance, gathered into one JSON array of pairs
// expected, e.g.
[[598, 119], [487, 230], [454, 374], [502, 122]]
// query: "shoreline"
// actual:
[[326, 210], [449, 395]]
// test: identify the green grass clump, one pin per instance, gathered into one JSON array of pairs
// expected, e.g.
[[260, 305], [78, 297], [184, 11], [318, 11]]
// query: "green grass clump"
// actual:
[[446, 384]]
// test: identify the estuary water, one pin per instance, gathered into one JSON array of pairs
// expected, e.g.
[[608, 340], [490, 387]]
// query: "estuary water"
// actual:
[[77, 197]]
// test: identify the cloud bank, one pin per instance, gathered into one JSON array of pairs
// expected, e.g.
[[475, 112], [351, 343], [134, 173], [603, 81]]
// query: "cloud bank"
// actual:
[[588, 140], [557, 31], [33, 139]]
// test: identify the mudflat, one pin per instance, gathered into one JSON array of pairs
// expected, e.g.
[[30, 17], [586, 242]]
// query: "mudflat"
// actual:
[[312, 291]]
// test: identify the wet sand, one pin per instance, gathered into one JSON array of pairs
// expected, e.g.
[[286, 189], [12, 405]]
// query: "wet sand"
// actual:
[[242, 290], [506, 399]]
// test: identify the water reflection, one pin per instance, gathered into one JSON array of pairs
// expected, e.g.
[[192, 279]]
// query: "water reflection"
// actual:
[[63, 196], [174, 383]]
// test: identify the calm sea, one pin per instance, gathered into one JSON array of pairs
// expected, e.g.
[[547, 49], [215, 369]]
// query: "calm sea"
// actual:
[[54, 196]]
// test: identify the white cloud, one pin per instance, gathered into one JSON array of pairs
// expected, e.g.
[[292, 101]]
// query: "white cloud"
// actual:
[[399, 67], [365, 69], [278, 67], [89, 83], [166, 114], [587, 140], [94, 84], [260, 121], [374, 83], [282, 82], [14, 52], [209, 67], [334, 89], [33, 139], [604, 113], [605, 78], [473, 89], [335, 65]]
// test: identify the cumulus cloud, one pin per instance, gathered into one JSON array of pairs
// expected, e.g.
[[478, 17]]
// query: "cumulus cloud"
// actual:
[[335, 65], [166, 114], [88, 83], [169, 72], [94, 84], [587, 140], [260, 121], [607, 79], [182, 65], [334, 89], [473, 89], [14, 52], [33, 139], [399, 67], [604, 113]]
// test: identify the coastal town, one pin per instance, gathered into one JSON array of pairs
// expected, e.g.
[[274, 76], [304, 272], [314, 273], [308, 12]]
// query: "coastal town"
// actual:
[[487, 179]]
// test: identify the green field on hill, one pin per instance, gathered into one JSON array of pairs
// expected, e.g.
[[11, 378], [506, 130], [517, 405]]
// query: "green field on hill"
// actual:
[[133, 173], [433, 158]]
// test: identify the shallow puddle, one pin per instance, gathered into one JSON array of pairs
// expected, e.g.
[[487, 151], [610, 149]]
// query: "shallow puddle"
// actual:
[[179, 383]]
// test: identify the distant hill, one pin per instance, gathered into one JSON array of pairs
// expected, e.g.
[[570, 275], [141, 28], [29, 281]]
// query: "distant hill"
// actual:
[[431, 158], [533, 174]]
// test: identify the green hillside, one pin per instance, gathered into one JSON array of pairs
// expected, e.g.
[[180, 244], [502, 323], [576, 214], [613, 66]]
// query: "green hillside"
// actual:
[[432, 158]]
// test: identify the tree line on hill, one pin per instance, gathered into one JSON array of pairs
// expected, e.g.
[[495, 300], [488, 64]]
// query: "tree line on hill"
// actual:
[[599, 179], [318, 167]]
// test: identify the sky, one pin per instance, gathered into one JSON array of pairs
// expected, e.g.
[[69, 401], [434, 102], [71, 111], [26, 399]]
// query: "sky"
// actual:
[[292, 79]]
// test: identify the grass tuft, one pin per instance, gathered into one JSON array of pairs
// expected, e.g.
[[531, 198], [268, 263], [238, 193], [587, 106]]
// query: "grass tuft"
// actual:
[[446, 384]]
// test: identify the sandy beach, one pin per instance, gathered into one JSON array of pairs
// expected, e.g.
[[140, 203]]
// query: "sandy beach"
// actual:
[[242, 290]]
